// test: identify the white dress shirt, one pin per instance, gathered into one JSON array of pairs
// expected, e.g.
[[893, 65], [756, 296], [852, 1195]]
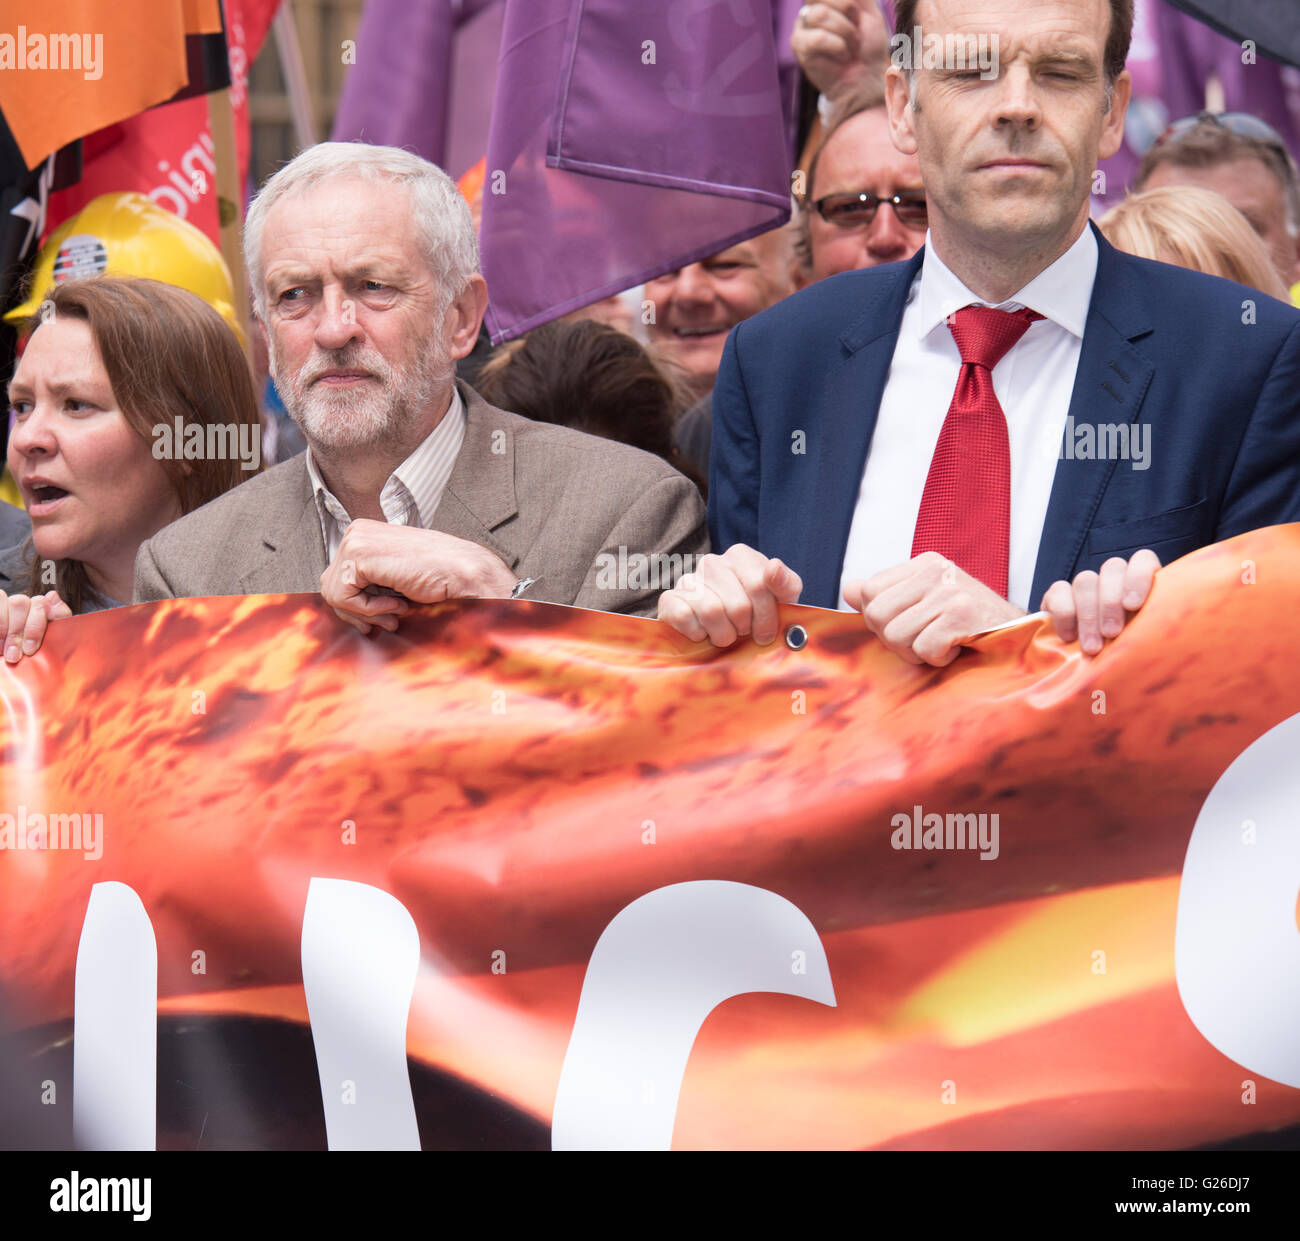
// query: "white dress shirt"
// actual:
[[413, 491], [1033, 382]]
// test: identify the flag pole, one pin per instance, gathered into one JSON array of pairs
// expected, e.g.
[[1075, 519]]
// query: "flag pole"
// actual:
[[230, 205], [294, 71]]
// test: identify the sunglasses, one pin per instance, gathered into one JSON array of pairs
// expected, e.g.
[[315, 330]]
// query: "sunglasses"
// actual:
[[858, 210], [1240, 123]]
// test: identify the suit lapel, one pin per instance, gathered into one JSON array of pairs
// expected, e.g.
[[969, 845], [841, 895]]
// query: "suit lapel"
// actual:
[[850, 401], [1110, 385], [480, 494], [292, 555]]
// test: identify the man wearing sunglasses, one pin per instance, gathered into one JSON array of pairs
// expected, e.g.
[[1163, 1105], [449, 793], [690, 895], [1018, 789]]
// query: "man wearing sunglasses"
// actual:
[[865, 203], [1244, 159], [897, 438]]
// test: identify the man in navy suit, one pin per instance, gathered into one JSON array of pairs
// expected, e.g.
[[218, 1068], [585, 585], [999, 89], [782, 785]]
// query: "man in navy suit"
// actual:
[[1141, 411]]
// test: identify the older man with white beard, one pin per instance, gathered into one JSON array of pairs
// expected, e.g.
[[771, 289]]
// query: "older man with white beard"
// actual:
[[364, 268]]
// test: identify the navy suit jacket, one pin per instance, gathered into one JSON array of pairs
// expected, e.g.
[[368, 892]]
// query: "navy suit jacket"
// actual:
[[1172, 348]]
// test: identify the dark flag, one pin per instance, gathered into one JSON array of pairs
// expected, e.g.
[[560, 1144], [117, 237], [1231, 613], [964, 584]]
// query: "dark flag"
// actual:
[[24, 201], [1272, 25]]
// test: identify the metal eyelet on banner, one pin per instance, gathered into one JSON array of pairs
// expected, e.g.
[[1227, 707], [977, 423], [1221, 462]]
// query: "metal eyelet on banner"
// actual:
[[796, 637]]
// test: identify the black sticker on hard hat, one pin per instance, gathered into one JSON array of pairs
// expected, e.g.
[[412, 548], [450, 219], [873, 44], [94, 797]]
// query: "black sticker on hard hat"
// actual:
[[80, 257]]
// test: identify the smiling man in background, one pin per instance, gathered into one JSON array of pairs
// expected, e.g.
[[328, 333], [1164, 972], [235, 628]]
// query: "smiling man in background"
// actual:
[[697, 305]]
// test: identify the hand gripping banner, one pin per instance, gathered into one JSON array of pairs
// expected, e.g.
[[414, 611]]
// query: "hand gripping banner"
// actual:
[[525, 876]]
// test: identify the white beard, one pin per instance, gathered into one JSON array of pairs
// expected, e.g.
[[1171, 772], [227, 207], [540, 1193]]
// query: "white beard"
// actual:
[[376, 413]]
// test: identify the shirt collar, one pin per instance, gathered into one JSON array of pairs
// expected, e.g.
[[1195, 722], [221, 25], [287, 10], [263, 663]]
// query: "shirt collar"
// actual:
[[1061, 292], [423, 475]]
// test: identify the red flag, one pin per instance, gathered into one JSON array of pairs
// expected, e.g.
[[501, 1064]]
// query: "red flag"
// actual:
[[166, 153], [247, 22]]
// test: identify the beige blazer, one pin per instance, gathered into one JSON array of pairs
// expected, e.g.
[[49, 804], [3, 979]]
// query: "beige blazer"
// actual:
[[580, 514]]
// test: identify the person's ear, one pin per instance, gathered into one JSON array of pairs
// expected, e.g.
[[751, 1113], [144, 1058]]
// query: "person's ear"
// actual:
[[1112, 131], [898, 104], [800, 276], [464, 316]]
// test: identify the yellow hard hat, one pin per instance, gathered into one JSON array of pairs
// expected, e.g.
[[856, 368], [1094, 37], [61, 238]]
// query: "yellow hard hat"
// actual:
[[128, 234]]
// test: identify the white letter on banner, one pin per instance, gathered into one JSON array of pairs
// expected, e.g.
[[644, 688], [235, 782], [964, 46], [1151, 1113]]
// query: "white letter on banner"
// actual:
[[360, 954], [1237, 947], [115, 1025], [657, 971]]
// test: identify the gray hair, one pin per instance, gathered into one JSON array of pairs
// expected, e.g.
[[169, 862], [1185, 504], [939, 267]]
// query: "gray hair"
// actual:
[[442, 215]]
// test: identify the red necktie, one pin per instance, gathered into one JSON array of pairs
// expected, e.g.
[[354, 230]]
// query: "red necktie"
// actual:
[[966, 506]]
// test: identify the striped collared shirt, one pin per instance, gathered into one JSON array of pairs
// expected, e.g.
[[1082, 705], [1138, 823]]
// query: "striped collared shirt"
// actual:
[[413, 491]]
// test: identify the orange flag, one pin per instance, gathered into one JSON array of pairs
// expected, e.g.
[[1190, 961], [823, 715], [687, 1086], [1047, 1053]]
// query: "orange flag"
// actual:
[[75, 66]]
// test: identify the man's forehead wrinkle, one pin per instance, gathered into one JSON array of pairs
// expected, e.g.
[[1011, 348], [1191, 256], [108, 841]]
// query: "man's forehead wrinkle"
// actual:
[[312, 219], [1047, 16], [844, 162], [1037, 28], [304, 260], [864, 176], [1045, 45]]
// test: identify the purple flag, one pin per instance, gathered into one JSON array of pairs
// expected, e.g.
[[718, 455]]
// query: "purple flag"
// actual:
[[473, 85], [423, 79], [628, 140], [397, 92], [786, 14], [1251, 81]]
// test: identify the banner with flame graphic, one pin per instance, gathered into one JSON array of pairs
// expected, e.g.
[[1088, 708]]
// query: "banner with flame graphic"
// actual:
[[523, 876]]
